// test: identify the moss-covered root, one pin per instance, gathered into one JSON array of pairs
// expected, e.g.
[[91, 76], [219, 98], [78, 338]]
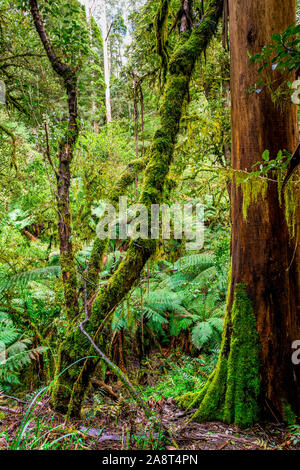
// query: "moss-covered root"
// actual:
[[232, 392]]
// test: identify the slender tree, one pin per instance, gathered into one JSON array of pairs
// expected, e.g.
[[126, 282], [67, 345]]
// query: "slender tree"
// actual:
[[105, 34], [255, 376], [63, 174]]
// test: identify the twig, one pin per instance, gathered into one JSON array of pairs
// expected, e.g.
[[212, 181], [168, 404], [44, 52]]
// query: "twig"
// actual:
[[48, 149], [9, 410], [106, 387], [14, 398]]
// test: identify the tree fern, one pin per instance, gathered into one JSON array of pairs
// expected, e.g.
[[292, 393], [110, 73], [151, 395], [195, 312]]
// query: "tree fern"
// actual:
[[195, 262], [15, 353], [178, 296], [201, 334], [20, 280]]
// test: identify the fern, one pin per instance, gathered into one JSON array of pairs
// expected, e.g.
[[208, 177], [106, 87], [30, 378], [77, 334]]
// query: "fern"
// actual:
[[21, 280], [201, 334], [15, 353], [157, 319], [195, 262], [177, 297], [217, 324]]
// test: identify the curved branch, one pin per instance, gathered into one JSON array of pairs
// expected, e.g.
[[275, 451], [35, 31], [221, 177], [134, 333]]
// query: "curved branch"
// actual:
[[60, 68], [181, 67]]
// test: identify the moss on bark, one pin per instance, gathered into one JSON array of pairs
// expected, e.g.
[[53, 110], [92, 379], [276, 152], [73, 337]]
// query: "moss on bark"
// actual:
[[181, 66], [232, 391]]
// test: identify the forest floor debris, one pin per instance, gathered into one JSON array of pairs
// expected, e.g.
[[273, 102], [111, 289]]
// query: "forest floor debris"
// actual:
[[111, 428]]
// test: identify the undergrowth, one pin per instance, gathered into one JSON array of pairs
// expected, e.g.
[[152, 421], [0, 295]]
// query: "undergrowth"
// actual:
[[178, 376]]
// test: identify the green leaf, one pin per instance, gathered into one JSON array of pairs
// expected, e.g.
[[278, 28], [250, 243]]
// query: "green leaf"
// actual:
[[266, 155]]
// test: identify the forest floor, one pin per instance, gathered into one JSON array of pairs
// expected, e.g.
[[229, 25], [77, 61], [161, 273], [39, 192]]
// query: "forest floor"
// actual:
[[131, 430], [111, 421]]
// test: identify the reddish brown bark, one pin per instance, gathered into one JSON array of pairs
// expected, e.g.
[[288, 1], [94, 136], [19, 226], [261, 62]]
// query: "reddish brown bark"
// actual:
[[262, 250]]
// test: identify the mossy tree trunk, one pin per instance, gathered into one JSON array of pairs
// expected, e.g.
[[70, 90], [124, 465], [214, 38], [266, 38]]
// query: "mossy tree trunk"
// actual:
[[72, 386], [63, 174], [255, 376]]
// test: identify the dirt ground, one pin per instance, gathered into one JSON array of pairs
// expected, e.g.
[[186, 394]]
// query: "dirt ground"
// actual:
[[123, 426]]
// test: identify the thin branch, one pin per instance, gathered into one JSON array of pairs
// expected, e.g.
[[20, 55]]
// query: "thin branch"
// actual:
[[14, 144], [48, 155], [108, 32], [60, 68], [26, 54]]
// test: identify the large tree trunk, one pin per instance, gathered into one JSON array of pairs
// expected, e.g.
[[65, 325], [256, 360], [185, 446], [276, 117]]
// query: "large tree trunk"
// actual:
[[255, 372], [106, 61], [261, 247], [255, 376]]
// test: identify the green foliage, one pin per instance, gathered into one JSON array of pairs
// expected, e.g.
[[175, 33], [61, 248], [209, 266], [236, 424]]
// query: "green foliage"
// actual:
[[47, 435], [295, 434], [268, 164], [180, 375], [21, 280], [284, 53], [16, 353], [176, 299]]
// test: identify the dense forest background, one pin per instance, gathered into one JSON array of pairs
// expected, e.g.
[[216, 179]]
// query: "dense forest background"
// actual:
[[132, 98]]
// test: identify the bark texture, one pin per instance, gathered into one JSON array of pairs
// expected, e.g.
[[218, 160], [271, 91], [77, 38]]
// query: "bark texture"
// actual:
[[255, 376], [63, 175]]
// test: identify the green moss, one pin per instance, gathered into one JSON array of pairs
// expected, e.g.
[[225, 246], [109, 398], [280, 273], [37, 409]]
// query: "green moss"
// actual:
[[243, 384], [139, 251], [232, 392], [252, 188], [291, 199], [95, 265], [289, 416], [69, 277]]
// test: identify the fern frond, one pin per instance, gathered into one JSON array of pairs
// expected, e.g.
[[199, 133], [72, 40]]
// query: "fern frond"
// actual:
[[22, 279], [201, 334], [195, 262], [154, 316], [217, 324], [203, 278], [176, 281]]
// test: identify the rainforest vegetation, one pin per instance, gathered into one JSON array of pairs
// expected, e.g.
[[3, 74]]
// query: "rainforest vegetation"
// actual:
[[134, 342]]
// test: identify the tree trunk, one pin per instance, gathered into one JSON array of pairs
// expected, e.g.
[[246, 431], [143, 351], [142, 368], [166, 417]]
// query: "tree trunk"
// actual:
[[63, 175], [106, 61], [135, 90], [72, 386], [255, 376]]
